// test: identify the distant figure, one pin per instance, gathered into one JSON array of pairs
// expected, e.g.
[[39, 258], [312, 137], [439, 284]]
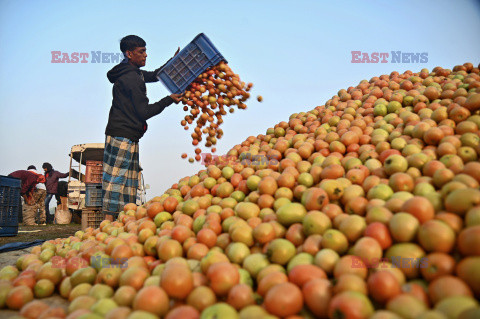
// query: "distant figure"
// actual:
[[29, 182], [51, 183], [39, 196]]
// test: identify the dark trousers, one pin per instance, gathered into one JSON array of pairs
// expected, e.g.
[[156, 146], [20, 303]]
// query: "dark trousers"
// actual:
[[48, 198], [20, 210]]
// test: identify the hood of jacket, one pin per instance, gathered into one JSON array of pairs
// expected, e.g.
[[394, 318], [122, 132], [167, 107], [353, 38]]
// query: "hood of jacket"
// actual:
[[119, 70]]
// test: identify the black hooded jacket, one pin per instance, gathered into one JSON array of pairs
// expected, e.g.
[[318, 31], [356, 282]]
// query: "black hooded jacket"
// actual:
[[130, 109]]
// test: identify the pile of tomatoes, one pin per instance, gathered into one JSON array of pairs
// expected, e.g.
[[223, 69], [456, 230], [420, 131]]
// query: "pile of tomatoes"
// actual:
[[365, 207]]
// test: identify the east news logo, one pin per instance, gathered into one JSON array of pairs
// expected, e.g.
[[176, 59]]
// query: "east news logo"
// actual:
[[85, 57], [395, 57]]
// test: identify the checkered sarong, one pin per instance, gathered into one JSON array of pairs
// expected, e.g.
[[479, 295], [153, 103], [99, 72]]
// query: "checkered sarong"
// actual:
[[120, 173]]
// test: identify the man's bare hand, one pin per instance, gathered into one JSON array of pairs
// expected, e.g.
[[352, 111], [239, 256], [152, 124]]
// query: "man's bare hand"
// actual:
[[176, 97]]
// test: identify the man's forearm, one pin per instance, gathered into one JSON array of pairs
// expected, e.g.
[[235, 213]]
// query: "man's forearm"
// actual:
[[151, 76], [158, 107]]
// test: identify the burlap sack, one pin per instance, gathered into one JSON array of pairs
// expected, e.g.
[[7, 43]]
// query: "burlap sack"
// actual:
[[63, 216]]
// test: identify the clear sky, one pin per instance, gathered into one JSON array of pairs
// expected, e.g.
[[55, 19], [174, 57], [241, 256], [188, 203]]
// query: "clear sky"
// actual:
[[297, 54]]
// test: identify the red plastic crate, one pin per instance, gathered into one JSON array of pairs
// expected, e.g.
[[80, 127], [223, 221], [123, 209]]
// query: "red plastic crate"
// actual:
[[94, 172]]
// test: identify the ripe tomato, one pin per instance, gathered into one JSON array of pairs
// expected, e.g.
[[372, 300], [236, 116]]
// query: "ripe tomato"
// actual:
[[284, 300], [383, 286], [222, 276]]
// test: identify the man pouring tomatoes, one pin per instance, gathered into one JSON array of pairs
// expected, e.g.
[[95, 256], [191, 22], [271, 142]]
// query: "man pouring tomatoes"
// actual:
[[127, 123]]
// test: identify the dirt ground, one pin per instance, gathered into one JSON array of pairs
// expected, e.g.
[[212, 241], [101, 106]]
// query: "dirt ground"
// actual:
[[46, 232]]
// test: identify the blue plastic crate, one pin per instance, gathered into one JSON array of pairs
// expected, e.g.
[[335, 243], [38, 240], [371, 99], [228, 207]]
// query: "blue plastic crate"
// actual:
[[189, 63], [93, 195], [10, 205]]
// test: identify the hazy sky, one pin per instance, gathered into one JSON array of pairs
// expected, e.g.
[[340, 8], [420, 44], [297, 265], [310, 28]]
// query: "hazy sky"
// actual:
[[297, 53]]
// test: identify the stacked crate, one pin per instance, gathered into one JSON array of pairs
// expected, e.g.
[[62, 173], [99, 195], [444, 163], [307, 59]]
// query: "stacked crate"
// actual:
[[93, 184], [92, 215], [94, 172], [91, 218]]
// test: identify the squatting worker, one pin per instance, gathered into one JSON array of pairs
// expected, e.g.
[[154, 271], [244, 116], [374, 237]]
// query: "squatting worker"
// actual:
[[27, 191], [39, 195], [127, 122]]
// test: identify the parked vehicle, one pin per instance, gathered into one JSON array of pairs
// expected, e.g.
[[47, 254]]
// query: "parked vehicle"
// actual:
[[85, 178]]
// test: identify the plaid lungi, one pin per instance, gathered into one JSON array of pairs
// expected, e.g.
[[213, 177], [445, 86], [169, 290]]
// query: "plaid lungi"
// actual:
[[120, 173]]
